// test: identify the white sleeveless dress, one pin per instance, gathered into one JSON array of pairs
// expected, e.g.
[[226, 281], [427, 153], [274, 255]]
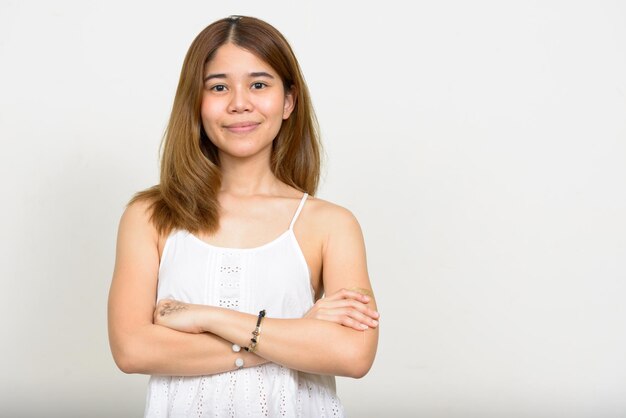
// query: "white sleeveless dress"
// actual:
[[274, 277]]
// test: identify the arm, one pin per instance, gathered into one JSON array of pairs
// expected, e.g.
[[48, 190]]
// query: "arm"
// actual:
[[307, 344], [137, 344]]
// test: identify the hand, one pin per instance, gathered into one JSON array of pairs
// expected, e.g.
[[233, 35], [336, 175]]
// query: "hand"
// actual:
[[345, 307], [178, 315]]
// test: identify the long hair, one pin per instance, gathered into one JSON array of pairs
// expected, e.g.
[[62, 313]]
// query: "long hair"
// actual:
[[190, 178]]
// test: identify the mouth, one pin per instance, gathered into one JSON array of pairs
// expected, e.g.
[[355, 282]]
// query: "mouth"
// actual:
[[242, 127]]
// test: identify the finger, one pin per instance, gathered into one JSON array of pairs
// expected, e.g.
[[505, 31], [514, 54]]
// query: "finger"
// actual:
[[348, 317], [362, 318], [356, 316], [344, 320], [347, 294], [363, 308], [349, 303], [352, 294], [354, 324]]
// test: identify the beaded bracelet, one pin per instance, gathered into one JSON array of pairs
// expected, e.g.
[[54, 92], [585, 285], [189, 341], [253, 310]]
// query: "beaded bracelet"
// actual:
[[256, 333]]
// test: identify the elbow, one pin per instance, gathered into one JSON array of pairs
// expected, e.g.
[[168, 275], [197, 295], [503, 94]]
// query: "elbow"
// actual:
[[359, 373], [359, 369], [126, 364], [357, 355], [125, 358], [358, 363]]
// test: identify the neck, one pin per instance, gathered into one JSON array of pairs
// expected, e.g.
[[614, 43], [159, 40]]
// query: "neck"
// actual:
[[248, 176]]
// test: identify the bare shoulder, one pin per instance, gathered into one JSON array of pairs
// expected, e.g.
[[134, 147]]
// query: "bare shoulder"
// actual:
[[334, 243], [135, 220], [137, 210], [343, 248], [332, 218]]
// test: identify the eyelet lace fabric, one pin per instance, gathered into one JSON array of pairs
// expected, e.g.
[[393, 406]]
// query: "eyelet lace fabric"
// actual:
[[274, 277]]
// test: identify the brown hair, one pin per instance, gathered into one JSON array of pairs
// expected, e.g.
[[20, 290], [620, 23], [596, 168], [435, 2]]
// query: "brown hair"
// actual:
[[186, 197]]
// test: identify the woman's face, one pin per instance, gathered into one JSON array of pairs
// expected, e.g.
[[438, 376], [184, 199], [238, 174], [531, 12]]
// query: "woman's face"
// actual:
[[243, 104]]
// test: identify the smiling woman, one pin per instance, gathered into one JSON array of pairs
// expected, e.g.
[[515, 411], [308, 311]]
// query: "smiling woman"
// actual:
[[231, 281], [242, 110]]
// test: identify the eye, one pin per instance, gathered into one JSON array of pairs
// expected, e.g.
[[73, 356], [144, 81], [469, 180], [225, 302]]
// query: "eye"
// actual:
[[218, 88], [258, 85]]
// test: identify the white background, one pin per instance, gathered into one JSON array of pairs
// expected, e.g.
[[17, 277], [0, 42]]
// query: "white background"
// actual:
[[482, 146]]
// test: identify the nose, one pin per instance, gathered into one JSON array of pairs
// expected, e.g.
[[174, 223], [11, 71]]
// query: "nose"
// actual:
[[240, 101]]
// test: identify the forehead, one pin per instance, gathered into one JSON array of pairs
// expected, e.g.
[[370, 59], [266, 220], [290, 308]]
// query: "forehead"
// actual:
[[231, 59]]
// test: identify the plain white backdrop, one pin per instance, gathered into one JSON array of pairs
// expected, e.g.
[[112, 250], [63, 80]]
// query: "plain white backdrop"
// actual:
[[482, 146]]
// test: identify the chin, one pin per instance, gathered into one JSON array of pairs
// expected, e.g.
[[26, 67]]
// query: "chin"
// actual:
[[243, 152]]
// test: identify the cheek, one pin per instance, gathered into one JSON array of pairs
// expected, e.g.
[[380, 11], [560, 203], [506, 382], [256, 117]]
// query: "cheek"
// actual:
[[208, 121], [211, 107], [272, 106], [208, 111]]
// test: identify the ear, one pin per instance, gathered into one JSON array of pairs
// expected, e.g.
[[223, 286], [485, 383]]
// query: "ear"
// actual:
[[290, 102]]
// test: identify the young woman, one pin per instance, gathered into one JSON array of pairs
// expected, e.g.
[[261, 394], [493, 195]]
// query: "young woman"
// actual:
[[221, 267]]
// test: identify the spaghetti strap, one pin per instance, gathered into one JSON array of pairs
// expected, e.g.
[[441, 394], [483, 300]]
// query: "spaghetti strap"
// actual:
[[295, 217]]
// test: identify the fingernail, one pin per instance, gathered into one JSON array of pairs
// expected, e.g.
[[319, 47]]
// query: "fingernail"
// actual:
[[366, 298], [375, 323], [364, 326]]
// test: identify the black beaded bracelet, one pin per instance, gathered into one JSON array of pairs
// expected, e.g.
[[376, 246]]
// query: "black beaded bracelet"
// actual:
[[256, 333]]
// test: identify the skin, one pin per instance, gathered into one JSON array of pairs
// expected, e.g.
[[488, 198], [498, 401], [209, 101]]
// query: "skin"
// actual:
[[244, 103]]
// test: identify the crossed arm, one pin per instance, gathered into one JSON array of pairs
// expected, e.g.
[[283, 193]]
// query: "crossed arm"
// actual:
[[337, 336]]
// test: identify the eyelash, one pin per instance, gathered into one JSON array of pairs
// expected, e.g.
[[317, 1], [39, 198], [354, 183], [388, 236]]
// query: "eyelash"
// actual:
[[255, 84]]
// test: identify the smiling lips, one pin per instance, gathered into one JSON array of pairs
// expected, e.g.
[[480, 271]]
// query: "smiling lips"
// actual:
[[242, 127]]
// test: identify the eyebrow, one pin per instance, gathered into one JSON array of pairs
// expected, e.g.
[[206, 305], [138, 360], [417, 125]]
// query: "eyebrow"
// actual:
[[251, 75]]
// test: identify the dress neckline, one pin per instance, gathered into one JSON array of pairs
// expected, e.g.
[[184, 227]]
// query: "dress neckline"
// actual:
[[262, 246], [235, 249]]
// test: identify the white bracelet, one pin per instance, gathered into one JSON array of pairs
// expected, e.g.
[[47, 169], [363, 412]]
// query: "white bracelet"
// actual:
[[238, 360], [239, 363]]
